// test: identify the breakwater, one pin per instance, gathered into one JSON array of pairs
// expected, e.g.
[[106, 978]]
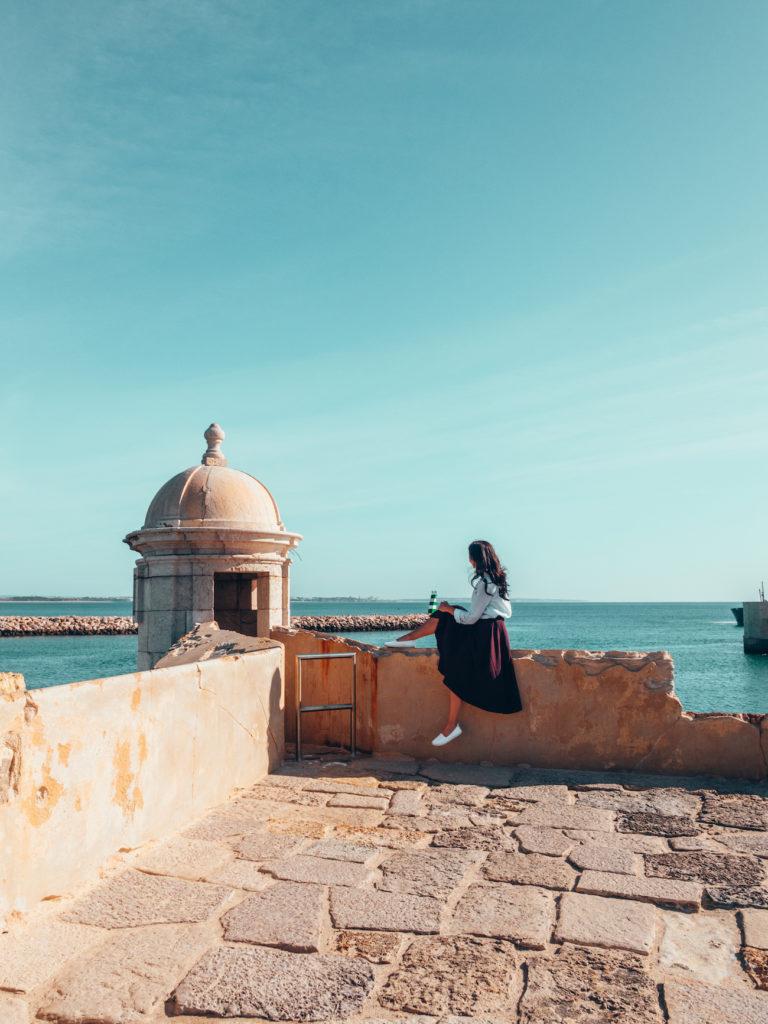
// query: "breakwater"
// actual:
[[123, 625]]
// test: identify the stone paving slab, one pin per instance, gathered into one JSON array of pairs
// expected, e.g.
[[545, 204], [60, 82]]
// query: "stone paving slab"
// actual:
[[455, 975], [376, 803], [241, 874], [128, 979], [274, 985], [184, 858], [287, 914], [31, 956], [564, 816], [529, 869], [221, 824], [522, 913], [737, 811], [394, 839], [534, 794], [652, 824], [614, 924], [337, 849], [595, 857], [318, 870], [658, 801], [737, 896], [704, 947], [652, 890], [706, 866], [635, 842], [589, 986], [335, 789], [433, 873], [476, 838], [133, 899], [408, 802], [446, 793], [754, 924], [697, 1003], [552, 842], [755, 843], [384, 911], [375, 947], [261, 846], [756, 966]]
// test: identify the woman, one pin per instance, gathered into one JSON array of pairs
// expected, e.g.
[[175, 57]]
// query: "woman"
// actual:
[[473, 645]]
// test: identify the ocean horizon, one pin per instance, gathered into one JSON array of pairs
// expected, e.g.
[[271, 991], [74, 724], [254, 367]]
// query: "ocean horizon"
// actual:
[[712, 673]]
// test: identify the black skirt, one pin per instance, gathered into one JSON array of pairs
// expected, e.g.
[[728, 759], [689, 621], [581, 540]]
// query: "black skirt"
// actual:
[[476, 663]]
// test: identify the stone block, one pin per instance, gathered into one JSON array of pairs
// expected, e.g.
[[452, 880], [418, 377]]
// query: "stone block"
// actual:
[[705, 947], [168, 593], [535, 793], [375, 947], [755, 843], [690, 1002], [127, 980], [556, 815], [475, 838], [384, 911], [529, 869], [551, 842], [524, 914], [407, 802], [447, 793], [287, 915], [133, 899], [318, 870], [651, 824], [241, 874], [32, 955], [470, 977], [598, 921], [677, 802], [273, 984], [740, 810], [347, 789], [260, 846], [589, 986], [706, 866], [755, 926], [634, 842], [184, 858], [594, 857], [756, 965], [737, 896], [425, 872], [221, 824], [338, 849], [650, 890], [372, 802]]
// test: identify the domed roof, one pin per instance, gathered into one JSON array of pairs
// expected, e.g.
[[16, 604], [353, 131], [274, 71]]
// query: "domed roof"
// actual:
[[213, 495]]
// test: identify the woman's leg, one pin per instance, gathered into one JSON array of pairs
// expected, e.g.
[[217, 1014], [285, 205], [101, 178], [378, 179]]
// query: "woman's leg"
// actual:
[[425, 629], [454, 708]]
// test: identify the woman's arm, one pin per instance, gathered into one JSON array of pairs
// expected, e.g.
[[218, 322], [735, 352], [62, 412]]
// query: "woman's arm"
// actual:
[[480, 601]]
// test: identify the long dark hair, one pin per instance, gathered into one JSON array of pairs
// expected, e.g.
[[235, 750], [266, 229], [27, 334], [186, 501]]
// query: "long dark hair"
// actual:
[[488, 567]]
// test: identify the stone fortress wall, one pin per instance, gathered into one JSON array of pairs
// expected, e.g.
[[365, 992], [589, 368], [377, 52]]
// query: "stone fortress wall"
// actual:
[[90, 769]]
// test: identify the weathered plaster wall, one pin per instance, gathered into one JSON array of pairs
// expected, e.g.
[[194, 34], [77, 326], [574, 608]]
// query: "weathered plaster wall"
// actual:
[[88, 769], [600, 710]]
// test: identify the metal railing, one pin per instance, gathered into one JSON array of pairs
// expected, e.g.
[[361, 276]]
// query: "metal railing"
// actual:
[[351, 707]]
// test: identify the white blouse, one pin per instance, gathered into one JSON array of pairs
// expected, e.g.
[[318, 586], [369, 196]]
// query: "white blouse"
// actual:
[[486, 604]]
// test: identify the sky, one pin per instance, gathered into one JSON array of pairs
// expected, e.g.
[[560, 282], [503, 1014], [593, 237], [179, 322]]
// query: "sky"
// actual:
[[442, 269]]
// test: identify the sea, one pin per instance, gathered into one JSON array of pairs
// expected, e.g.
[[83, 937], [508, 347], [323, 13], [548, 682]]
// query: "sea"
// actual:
[[712, 673]]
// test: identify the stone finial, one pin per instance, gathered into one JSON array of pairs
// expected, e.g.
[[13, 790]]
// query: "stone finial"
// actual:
[[214, 435]]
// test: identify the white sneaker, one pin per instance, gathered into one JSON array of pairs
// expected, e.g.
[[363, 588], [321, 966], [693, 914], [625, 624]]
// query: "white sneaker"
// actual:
[[440, 740], [399, 643]]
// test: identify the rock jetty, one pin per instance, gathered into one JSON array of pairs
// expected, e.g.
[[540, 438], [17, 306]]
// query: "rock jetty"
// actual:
[[67, 625], [357, 623], [123, 625]]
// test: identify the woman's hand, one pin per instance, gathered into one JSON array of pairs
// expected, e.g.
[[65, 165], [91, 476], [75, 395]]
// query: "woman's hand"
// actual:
[[445, 607]]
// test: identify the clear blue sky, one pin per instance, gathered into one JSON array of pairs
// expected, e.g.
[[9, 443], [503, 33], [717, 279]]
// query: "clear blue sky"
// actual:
[[440, 269]]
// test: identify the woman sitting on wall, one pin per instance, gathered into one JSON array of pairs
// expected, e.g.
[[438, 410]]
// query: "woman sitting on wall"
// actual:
[[473, 645]]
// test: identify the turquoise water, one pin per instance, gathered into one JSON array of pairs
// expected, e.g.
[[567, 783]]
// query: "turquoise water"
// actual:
[[712, 672]]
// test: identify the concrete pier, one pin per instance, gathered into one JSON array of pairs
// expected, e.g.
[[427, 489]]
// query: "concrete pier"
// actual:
[[756, 627]]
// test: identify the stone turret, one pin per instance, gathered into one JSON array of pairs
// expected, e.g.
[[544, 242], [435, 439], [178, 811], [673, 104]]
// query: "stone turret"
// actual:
[[213, 547]]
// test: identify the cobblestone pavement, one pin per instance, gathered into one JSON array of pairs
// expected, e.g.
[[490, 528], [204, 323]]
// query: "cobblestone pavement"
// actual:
[[387, 890]]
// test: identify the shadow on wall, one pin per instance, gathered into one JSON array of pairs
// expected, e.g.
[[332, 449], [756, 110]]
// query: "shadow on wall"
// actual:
[[609, 710]]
